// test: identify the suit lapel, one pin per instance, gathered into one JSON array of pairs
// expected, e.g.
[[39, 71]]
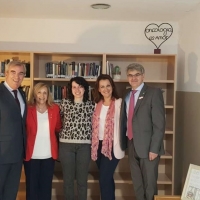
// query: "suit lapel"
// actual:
[[22, 94], [24, 99], [140, 98], [50, 116], [8, 96], [126, 93], [32, 110], [123, 105]]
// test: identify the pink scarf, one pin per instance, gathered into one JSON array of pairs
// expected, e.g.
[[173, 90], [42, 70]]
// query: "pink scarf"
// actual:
[[108, 131]]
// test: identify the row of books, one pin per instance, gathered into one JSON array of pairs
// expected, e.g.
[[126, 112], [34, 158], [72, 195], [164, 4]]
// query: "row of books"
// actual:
[[5, 62], [3, 66], [26, 89], [109, 68], [60, 92], [68, 70], [113, 71]]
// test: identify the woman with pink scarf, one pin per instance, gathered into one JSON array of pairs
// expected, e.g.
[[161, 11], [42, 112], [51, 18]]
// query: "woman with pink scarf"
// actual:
[[106, 149]]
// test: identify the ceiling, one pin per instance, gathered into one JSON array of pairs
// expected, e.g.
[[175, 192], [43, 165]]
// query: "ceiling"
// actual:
[[120, 10]]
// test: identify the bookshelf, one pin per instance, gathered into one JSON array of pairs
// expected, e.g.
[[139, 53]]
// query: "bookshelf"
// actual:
[[160, 72], [40, 61]]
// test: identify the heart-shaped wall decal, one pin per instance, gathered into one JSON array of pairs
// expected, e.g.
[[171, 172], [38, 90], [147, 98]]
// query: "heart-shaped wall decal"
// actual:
[[158, 34]]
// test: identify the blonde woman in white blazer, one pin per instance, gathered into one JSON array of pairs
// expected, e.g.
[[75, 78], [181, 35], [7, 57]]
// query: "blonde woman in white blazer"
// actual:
[[106, 149]]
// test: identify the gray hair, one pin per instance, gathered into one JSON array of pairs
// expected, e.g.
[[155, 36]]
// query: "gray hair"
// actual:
[[15, 63], [135, 66]]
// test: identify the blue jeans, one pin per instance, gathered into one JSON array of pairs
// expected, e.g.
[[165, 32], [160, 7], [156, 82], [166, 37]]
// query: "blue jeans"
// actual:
[[75, 160], [106, 171]]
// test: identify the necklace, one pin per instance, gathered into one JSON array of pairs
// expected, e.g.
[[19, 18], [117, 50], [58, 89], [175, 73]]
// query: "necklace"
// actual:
[[41, 109]]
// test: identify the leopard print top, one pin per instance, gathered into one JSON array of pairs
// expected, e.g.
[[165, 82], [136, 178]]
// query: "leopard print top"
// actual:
[[77, 121]]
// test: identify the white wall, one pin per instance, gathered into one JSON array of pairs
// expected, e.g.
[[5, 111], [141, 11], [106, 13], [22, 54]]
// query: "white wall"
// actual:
[[80, 36], [188, 97], [189, 53]]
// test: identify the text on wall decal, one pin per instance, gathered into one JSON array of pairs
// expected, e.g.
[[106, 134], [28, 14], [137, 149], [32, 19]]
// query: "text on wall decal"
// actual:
[[158, 34]]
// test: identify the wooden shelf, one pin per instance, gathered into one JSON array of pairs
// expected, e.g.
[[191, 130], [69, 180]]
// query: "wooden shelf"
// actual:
[[61, 197], [25, 79], [169, 131], [159, 81], [94, 79], [167, 197], [62, 79], [71, 54], [120, 177], [22, 196], [166, 156], [146, 81], [169, 106], [160, 71]]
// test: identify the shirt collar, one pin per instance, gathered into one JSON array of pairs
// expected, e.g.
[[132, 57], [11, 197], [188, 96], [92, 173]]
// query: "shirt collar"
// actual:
[[7, 86], [139, 88]]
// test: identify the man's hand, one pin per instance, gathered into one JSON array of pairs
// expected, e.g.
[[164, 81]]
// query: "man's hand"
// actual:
[[152, 156]]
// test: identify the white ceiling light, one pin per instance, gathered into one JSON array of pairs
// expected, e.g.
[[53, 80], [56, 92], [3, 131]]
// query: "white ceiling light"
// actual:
[[100, 6]]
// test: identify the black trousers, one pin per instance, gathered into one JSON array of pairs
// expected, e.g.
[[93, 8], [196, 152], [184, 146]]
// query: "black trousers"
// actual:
[[9, 180], [106, 171], [39, 175]]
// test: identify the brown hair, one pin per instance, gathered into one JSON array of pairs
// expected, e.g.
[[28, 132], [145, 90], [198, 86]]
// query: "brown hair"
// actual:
[[97, 95]]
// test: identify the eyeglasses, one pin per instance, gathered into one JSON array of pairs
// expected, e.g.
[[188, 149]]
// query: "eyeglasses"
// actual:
[[134, 75]]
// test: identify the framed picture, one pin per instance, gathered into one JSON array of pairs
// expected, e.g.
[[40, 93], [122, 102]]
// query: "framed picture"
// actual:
[[191, 190]]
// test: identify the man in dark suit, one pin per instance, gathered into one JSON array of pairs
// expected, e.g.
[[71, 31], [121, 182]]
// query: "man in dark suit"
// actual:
[[12, 130], [142, 128]]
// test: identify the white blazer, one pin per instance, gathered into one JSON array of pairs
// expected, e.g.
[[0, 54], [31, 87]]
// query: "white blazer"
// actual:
[[118, 152]]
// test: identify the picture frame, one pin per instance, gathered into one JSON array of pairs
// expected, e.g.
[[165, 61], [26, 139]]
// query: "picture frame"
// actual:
[[191, 190]]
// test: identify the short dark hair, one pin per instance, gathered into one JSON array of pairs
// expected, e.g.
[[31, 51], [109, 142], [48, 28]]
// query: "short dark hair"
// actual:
[[97, 95], [135, 66], [81, 81]]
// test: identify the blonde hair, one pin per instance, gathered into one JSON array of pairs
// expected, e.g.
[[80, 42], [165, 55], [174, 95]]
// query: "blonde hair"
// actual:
[[35, 90]]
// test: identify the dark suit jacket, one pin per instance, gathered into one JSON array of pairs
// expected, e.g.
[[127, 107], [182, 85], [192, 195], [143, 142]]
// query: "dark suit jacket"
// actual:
[[12, 127], [148, 122], [54, 128]]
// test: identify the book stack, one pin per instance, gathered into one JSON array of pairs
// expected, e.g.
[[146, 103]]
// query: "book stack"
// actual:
[[91, 93], [3, 67], [26, 89], [68, 70], [60, 92], [109, 69]]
